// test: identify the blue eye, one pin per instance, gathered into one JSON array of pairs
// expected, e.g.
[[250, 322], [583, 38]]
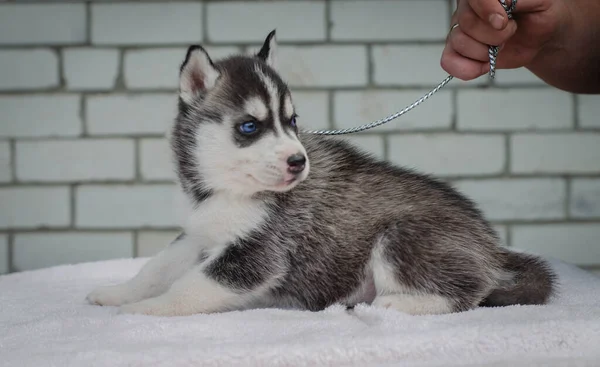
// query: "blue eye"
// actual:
[[248, 127], [293, 121]]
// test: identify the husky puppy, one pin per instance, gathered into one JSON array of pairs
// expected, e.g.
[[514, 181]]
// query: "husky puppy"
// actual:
[[278, 218]]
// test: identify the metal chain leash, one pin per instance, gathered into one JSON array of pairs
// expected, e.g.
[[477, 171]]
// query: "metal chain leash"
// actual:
[[492, 53]]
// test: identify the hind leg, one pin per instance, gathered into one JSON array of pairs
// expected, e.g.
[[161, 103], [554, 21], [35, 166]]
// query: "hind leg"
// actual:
[[391, 293], [155, 277]]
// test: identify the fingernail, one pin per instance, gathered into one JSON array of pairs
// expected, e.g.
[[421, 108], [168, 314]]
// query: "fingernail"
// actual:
[[497, 21]]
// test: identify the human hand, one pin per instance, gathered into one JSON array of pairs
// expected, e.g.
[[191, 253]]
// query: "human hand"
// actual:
[[482, 23]]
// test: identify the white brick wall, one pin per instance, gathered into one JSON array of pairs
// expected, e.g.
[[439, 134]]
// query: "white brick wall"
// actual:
[[530, 109], [88, 92], [574, 243], [125, 206], [130, 114], [156, 160], [589, 111], [312, 109], [396, 65], [159, 68], [555, 153], [90, 69], [324, 66], [4, 260], [34, 207], [302, 21], [75, 160], [27, 24], [449, 154], [517, 77], [28, 69], [514, 199], [5, 162], [396, 20], [40, 116], [146, 23], [44, 249], [353, 108], [585, 198]]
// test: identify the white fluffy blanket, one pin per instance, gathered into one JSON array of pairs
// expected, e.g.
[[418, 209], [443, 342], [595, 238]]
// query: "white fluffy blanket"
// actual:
[[44, 321]]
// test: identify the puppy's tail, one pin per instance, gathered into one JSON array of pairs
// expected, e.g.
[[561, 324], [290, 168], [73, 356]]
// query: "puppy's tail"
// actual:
[[532, 283]]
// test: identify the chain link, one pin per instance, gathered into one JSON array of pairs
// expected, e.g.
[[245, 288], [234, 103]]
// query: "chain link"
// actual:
[[492, 53]]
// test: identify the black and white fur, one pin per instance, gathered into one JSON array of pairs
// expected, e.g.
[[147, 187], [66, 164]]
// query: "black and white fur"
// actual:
[[330, 225]]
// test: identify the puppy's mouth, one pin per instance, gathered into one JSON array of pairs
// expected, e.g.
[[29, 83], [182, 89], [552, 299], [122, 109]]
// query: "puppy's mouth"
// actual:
[[281, 183]]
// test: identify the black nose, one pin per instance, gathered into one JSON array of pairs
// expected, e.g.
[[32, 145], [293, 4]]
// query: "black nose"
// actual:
[[296, 163]]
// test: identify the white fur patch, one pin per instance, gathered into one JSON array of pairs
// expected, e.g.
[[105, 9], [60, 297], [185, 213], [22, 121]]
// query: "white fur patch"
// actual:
[[155, 277], [193, 293], [224, 217], [392, 294], [256, 107], [274, 96], [288, 107]]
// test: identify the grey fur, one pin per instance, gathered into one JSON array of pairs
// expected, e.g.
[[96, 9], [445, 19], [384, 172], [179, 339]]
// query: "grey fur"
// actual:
[[320, 238]]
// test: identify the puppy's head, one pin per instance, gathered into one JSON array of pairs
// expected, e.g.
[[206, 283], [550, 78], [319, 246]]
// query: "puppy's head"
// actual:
[[237, 126]]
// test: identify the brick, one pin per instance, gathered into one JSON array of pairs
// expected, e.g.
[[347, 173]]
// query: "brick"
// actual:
[[5, 162], [294, 21], [555, 153], [159, 68], [389, 20], [46, 249], [4, 255], [530, 109], [75, 160], [26, 24], [156, 160], [449, 154], [353, 108], [179, 23], [517, 77], [323, 66], [39, 116], [573, 243], [125, 206], [312, 109], [517, 199], [369, 143], [34, 207], [585, 198], [90, 69], [152, 242], [589, 110], [130, 114], [407, 65], [28, 69]]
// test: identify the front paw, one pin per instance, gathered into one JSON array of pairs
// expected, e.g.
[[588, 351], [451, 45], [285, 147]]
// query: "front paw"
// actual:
[[114, 295]]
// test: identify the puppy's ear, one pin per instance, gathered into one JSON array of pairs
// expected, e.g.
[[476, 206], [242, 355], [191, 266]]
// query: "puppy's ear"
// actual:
[[269, 50], [197, 74]]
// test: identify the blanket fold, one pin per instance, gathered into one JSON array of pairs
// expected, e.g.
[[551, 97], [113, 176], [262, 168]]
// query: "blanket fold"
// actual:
[[45, 321]]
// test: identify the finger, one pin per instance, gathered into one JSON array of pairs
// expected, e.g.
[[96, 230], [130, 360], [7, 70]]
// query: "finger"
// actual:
[[461, 67], [471, 24], [490, 12], [466, 46]]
